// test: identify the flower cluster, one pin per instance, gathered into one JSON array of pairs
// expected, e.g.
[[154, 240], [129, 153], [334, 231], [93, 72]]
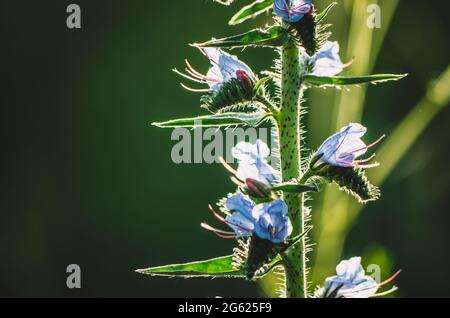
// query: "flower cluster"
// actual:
[[265, 224], [269, 220], [260, 212]]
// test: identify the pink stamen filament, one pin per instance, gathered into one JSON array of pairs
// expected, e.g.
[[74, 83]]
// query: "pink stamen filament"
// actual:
[[220, 233], [390, 291], [227, 166], [193, 70], [365, 160], [202, 77], [196, 90], [349, 63], [374, 165], [387, 281], [371, 145], [379, 285], [216, 214]]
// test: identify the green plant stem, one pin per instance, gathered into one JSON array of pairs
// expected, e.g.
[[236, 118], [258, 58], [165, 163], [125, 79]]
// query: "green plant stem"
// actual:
[[290, 151]]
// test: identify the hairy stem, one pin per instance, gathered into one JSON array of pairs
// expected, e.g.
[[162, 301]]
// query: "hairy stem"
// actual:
[[290, 151]]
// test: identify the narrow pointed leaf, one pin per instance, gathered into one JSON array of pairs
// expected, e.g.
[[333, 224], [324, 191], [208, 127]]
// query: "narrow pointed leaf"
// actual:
[[216, 120], [272, 37], [217, 267], [213, 268], [352, 80], [295, 188], [251, 11]]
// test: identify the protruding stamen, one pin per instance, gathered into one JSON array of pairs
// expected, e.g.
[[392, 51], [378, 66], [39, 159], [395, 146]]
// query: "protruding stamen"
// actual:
[[365, 160], [390, 279], [373, 165], [190, 77], [195, 90], [208, 227], [390, 291], [371, 145], [216, 214], [193, 70], [227, 166], [349, 63]]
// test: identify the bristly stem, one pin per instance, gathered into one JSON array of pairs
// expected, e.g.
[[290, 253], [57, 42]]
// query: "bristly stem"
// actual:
[[290, 151]]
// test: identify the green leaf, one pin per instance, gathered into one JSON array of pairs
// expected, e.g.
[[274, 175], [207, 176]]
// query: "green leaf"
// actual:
[[352, 80], [272, 37], [322, 15], [216, 120], [295, 188], [217, 267], [251, 11]]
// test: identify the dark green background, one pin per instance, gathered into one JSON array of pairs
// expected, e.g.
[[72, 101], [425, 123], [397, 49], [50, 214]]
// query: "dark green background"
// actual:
[[86, 179]]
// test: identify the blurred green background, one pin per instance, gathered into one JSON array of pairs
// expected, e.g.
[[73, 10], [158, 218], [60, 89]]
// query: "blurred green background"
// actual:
[[87, 180]]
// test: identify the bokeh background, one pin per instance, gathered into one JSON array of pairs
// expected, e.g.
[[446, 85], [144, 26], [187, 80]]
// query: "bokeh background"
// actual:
[[87, 180]]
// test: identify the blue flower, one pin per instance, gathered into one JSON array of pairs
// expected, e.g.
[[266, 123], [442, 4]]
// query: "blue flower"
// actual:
[[241, 221], [343, 148], [268, 221], [252, 160], [292, 11], [273, 223], [224, 68], [326, 62], [350, 282]]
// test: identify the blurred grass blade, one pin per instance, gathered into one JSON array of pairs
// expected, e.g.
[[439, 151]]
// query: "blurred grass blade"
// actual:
[[352, 80], [251, 11], [410, 129], [216, 120], [273, 37], [217, 267], [390, 154]]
